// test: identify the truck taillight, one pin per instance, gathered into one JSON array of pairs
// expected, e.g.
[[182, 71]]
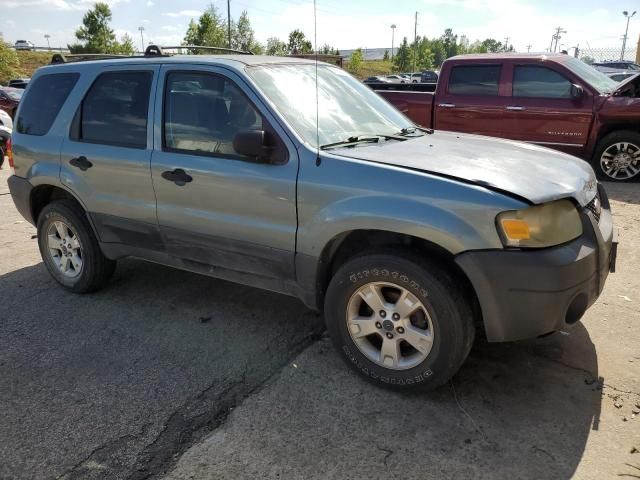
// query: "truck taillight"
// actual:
[[9, 153]]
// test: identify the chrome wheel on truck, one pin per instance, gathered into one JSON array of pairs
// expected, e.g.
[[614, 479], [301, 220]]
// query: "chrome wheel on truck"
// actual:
[[390, 325], [65, 249], [621, 161], [617, 157]]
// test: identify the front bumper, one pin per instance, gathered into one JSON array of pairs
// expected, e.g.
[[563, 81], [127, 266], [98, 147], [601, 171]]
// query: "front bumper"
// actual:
[[527, 293]]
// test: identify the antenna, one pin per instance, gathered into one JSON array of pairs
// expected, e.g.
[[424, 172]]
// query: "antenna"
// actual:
[[315, 42]]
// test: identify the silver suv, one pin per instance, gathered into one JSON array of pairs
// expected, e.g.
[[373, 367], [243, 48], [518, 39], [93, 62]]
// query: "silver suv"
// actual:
[[296, 178]]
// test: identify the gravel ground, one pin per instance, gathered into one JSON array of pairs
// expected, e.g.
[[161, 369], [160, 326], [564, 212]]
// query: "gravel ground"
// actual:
[[166, 371]]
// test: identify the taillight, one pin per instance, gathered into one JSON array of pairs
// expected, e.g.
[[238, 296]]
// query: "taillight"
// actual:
[[9, 153]]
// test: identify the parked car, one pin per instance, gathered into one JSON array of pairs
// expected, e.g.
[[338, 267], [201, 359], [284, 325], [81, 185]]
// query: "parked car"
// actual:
[[378, 79], [396, 78], [9, 99], [404, 237], [6, 120], [23, 45], [618, 65], [551, 100], [5, 140], [19, 83], [621, 76], [428, 76]]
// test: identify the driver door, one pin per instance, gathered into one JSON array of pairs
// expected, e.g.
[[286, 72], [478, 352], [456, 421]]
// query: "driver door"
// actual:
[[215, 206]]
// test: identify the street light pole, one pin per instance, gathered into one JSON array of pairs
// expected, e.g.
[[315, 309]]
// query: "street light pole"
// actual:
[[47, 36], [393, 32], [229, 21], [141, 29], [626, 32]]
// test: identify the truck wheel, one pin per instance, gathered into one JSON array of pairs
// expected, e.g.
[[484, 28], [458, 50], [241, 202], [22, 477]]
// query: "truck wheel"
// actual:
[[617, 156], [399, 321], [69, 248]]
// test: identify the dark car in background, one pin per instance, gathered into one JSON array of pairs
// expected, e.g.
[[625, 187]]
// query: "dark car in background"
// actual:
[[617, 65], [19, 83], [428, 76], [9, 99]]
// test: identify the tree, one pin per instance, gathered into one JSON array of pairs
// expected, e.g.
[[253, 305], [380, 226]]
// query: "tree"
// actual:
[[209, 31], [586, 59], [403, 61], [385, 57], [298, 43], [355, 62], [450, 43], [243, 36], [95, 34], [275, 46], [9, 62]]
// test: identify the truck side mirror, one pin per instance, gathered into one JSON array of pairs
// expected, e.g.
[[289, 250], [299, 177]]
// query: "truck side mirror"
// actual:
[[261, 146], [577, 91]]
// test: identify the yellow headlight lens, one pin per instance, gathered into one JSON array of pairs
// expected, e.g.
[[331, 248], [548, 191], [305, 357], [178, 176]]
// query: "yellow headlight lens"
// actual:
[[541, 226]]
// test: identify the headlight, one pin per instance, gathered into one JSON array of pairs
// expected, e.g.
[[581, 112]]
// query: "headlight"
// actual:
[[540, 226]]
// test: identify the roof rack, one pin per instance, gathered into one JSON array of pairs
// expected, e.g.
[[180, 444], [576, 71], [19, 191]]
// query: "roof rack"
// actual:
[[156, 50], [81, 57]]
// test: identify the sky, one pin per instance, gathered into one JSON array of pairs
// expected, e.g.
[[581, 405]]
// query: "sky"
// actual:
[[342, 24]]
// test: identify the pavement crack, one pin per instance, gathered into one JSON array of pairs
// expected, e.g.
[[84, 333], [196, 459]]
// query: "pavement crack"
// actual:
[[387, 454], [535, 448], [464, 411]]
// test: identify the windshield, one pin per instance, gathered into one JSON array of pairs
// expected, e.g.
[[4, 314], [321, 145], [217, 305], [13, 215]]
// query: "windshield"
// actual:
[[347, 107], [593, 77]]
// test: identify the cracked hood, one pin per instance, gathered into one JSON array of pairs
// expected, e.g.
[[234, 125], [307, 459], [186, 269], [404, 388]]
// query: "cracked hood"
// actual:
[[535, 173]]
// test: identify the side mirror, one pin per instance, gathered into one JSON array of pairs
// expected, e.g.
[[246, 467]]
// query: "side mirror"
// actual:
[[576, 91], [251, 143]]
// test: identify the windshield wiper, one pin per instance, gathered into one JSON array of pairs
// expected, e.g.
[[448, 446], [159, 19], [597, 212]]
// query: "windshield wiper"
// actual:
[[356, 139], [414, 129]]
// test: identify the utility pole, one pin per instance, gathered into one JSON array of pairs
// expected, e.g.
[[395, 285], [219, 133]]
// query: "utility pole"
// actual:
[[506, 43], [556, 37], [626, 32], [415, 44], [393, 32], [141, 29], [47, 36], [229, 21], [528, 48]]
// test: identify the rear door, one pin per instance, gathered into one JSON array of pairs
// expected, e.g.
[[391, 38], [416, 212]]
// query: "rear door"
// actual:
[[542, 110], [106, 156], [216, 206], [471, 101]]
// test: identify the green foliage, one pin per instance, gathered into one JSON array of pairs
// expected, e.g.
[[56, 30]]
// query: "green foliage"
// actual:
[[403, 61], [209, 31], [355, 63], [587, 59], [275, 46], [386, 56], [327, 49], [489, 45], [9, 63], [243, 36], [298, 43], [96, 36]]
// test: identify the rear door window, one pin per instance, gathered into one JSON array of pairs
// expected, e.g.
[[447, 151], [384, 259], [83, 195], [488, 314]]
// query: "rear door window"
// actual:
[[43, 102], [482, 80], [539, 82], [115, 110]]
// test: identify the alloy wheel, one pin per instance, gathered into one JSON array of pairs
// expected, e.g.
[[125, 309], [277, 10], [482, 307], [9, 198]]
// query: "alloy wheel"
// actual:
[[65, 249], [621, 161]]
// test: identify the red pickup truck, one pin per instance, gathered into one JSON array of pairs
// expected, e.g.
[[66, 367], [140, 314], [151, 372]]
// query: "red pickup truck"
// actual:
[[552, 100]]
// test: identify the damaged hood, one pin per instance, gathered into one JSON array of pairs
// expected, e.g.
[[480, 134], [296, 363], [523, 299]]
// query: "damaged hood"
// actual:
[[535, 173]]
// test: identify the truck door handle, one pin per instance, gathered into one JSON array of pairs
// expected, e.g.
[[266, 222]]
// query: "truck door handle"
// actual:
[[515, 108], [446, 105], [177, 176], [81, 162]]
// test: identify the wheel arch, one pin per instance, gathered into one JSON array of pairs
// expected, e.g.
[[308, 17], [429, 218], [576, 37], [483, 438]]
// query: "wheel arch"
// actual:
[[350, 244]]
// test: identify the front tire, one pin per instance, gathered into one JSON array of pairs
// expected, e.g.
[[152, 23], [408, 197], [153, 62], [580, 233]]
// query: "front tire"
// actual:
[[70, 249], [399, 321], [617, 157]]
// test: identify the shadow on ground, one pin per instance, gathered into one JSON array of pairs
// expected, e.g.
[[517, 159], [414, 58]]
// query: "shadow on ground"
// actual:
[[628, 192], [114, 384], [520, 411]]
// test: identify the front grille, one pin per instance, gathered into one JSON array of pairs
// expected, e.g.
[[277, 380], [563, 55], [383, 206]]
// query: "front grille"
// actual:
[[595, 207]]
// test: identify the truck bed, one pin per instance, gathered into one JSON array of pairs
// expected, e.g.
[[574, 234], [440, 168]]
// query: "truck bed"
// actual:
[[418, 106]]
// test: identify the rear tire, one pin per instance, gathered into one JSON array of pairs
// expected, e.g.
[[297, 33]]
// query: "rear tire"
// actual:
[[617, 157], [421, 350], [70, 249]]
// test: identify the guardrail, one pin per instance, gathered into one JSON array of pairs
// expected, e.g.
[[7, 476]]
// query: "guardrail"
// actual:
[[40, 49]]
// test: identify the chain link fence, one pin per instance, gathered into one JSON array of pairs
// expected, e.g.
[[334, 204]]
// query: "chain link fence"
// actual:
[[604, 54]]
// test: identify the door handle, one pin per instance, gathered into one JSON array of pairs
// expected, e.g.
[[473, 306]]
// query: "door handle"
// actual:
[[177, 176], [515, 108], [447, 105], [81, 162]]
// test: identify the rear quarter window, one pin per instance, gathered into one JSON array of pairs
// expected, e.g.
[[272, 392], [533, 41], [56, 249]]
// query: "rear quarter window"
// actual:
[[43, 101], [482, 80]]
